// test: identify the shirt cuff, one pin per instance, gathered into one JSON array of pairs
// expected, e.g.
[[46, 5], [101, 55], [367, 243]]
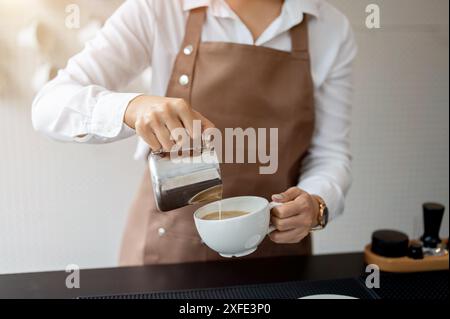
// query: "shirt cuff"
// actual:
[[108, 114], [328, 191]]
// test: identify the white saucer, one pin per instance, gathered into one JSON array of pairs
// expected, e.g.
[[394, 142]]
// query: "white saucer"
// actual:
[[328, 297]]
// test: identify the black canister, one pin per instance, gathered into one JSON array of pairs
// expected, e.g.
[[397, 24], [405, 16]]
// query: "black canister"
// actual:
[[390, 243]]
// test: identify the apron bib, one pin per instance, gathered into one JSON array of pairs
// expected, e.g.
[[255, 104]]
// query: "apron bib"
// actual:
[[235, 86]]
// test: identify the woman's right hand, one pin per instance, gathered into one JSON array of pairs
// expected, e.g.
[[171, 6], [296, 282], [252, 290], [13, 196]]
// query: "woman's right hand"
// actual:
[[155, 118]]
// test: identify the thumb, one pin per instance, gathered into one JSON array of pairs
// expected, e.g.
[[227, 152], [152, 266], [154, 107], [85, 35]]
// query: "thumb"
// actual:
[[287, 196]]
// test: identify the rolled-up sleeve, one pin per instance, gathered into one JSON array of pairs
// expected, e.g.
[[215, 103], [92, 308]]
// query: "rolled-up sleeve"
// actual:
[[82, 104], [326, 169]]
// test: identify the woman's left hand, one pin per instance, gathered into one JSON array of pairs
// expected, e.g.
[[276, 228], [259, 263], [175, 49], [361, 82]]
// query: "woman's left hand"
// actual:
[[295, 218]]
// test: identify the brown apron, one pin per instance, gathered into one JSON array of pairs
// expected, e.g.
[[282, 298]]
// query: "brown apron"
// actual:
[[234, 85]]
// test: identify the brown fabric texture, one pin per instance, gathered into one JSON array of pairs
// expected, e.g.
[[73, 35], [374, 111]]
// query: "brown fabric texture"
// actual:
[[234, 85]]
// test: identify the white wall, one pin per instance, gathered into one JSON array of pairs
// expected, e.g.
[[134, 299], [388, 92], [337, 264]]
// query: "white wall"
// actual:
[[401, 128], [65, 203]]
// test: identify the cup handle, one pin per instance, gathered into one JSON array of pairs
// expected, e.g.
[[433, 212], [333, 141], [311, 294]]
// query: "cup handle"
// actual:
[[271, 229], [272, 205]]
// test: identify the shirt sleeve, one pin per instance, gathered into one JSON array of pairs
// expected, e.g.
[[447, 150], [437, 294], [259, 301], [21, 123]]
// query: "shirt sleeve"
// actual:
[[326, 169], [82, 104]]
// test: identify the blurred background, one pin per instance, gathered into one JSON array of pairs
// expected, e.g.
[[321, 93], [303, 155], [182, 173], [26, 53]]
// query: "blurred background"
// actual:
[[66, 204]]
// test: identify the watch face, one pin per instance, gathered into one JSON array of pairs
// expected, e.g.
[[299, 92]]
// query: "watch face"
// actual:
[[325, 216]]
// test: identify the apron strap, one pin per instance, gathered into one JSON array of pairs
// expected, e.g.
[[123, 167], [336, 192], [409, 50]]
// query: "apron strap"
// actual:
[[183, 75], [299, 39]]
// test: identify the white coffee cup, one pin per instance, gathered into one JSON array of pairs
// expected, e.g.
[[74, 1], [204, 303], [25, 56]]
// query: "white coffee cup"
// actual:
[[236, 236]]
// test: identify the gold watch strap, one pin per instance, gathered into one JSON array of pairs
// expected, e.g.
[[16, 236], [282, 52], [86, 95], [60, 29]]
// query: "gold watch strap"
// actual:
[[323, 214]]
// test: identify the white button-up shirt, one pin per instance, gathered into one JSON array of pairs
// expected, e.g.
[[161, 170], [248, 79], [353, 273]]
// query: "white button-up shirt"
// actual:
[[83, 103]]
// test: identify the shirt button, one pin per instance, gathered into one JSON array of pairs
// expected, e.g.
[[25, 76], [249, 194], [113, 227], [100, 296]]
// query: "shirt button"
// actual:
[[161, 231], [183, 80], [188, 50]]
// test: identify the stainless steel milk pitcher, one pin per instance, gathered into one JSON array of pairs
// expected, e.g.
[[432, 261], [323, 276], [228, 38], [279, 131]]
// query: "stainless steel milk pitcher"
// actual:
[[191, 177]]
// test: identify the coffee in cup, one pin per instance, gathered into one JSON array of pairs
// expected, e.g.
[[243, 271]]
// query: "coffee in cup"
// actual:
[[218, 215]]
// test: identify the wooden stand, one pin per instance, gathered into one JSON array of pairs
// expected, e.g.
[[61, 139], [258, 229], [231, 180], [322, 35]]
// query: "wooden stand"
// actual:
[[406, 264]]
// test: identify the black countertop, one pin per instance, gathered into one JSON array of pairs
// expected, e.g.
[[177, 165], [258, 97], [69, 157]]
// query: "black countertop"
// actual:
[[183, 276]]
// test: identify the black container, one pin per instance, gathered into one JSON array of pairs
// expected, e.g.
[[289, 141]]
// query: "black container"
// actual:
[[415, 250], [390, 243]]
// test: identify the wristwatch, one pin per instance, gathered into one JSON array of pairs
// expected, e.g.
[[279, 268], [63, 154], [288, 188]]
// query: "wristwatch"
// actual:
[[323, 214]]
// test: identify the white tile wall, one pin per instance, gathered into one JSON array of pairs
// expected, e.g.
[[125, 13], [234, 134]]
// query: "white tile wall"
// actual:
[[401, 128]]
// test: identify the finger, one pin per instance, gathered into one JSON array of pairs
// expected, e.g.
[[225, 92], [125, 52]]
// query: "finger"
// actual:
[[288, 237], [162, 134], [176, 129], [147, 135], [186, 116], [283, 224], [304, 221], [288, 195], [305, 203], [286, 210]]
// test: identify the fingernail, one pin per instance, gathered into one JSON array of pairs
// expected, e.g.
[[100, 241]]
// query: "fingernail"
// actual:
[[278, 197]]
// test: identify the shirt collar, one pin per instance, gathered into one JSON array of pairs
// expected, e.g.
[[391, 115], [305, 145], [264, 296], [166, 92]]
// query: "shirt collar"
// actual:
[[218, 7], [299, 7], [294, 8], [192, 4]]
